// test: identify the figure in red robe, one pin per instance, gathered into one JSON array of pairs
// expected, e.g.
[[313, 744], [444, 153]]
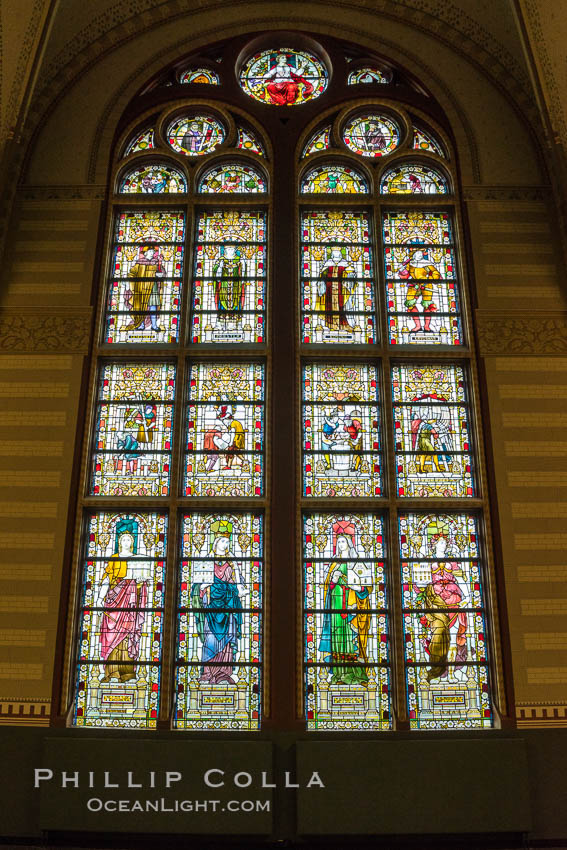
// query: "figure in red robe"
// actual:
[[284, 82]]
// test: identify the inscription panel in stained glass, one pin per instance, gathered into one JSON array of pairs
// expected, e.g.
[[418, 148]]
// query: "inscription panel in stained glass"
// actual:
[[153, 179], [121, 620], [225, 430], [422, 291], [145, 277], [445, 649], [345, 622], [337, 278], [334, 180], [433, 458], [218, 674], [341, 441], [415, 179], [232, 177], [230, 277]]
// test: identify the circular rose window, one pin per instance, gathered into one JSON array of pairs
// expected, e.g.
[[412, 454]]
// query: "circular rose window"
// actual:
[[284, 77], [195, 135], [371, 135]]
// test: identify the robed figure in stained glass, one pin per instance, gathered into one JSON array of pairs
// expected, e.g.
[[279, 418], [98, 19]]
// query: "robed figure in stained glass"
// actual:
[[420, 271], [218, 610], [230, 287], [144, 298], [334, 290], [123, 616], [282, 82], [346, 622]]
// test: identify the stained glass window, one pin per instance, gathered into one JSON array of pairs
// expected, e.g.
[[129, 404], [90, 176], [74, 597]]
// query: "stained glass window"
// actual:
[[145, 283], [200, 75], [371, 135], [368, 74], [195, 135], [218, 674], [248, 141], [415, 179], [230, 277], [421, 278], [446, 663], [337, 278], [153, 179], [132, 445], [341, 441], [346, 628], [143, 141], [334, 179], [225, 430], [319, 141], [232, 177], [433, 456], [284, 77], [424, 140], [121, 619]]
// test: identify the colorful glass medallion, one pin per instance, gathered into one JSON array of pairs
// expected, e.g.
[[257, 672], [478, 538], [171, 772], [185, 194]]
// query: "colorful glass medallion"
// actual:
[[337, 278], [200, 75], [225, 430], [319, 141], [333, 180], [433, 457], [233, 177], [195, 135], [153, 179], [230, 277], [146, 272], [218, 674], [284, 77], [249, 141], [413, 179], [143, 141], [444, 622], [424, 140], [345, 622], [121, 619], [371, 135], [421, 282], [367, 75], [341, 441], [132, 445]]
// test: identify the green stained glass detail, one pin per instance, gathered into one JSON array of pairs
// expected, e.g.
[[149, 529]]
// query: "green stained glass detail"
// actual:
[[143, 141], [319, 141], [424, 140], [333, 180], [249, 141]]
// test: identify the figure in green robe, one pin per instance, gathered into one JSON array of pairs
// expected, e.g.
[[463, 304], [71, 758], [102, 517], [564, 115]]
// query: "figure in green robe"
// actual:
[[229, 283]]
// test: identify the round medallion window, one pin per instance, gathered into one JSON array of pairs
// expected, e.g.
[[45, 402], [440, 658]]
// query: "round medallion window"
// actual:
[[284, 77], [195, 135], [371, 135]]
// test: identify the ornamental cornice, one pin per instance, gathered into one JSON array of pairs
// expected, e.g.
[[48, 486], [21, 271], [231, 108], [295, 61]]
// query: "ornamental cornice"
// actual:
[[38, 329], [521, 334]]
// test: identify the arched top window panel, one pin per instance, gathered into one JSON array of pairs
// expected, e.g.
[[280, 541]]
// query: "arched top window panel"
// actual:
[[368, 74], [319, 141], [414, 179], [141, 141], [247, 140], [232, 178], [425, 140], [334, 179], [153, 179], [200, 75]]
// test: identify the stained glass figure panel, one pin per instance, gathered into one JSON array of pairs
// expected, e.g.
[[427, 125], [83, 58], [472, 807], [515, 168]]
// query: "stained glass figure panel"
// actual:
[[225, 430], [369, 74], [337, 278], [319, 141], [345, 622], [341, 438], [232, 177], [424, 140], [414, 179], [334, 179], [195, 135], [122, 596], [153, 179], [143, 141], [200, 75], [249, 141], [230, 277], [371, 135], [132, 443], [218, 675], [446, 664], [145, 283], [283, 77], [431, 416], [421, 283]]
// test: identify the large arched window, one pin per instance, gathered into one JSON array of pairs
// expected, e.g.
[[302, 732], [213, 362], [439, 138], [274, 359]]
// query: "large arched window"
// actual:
[[283, 463]]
